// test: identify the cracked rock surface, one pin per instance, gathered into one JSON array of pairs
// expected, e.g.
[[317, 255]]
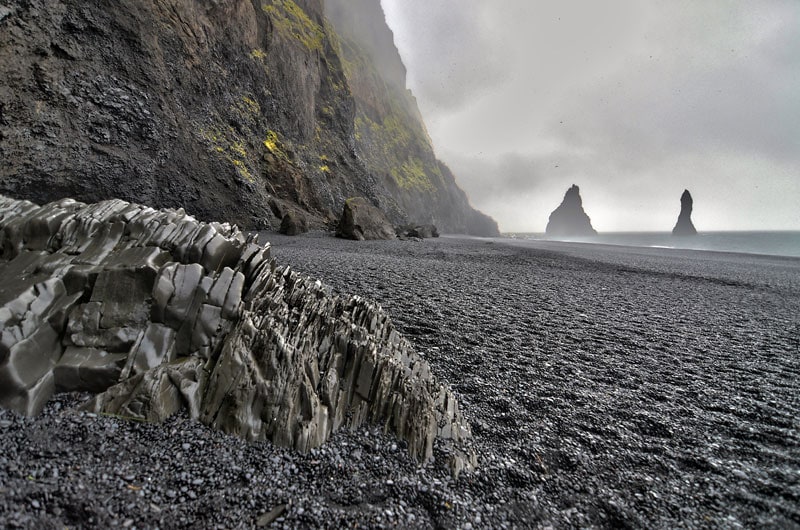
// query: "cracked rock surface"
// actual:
[[155, 313]]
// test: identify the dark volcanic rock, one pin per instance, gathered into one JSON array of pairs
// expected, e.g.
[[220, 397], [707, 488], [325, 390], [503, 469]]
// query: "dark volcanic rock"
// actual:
[[684, 226], [416, 231], [236, 101], [293, 223], [157, 312], [569, 219], [361, 220]]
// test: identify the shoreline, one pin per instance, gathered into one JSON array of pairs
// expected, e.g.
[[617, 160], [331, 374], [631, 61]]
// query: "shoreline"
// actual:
[[795, 254]]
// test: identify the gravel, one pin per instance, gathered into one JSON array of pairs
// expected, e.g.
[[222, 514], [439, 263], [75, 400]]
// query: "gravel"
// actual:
[[606, 387]]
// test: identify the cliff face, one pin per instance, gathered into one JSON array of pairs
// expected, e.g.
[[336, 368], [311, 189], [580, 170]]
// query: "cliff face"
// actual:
[[569, 219], [390, 135], [684, 226], [218, 107]]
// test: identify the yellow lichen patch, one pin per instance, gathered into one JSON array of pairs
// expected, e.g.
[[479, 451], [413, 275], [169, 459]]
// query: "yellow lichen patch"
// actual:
[[324, 158], [251, 104], [224, 142], [325, 168], [238, 148], [291, 21], [274, 145], [242, 169], [258, 53]]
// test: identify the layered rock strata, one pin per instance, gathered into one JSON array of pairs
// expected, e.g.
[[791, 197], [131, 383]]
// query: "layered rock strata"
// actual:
[[156, 312], [684, 225], [569, 219]]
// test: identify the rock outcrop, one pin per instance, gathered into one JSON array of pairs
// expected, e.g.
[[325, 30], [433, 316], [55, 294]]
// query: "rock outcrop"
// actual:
[[361, 220], [569, 219], [684, 226], [413, 231], [216, 107], [155, 312]]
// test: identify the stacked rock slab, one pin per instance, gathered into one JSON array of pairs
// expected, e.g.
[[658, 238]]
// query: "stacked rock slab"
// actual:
[[156, 312]]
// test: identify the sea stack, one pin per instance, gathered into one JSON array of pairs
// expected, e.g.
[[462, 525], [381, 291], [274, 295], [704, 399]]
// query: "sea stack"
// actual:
[[684, 226], [569, 219]]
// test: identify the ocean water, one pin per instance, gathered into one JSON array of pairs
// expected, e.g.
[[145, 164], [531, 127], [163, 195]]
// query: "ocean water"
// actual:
[[785, 243]]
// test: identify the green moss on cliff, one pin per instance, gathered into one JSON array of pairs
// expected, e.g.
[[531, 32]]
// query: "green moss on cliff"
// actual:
[[292, 22], [391, 137]]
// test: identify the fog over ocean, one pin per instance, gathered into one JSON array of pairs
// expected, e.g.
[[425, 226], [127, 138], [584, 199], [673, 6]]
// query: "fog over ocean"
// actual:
[[772, 243]]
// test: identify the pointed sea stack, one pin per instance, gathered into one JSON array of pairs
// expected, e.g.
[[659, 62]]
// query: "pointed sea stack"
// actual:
[[569, 219], [684, 226]]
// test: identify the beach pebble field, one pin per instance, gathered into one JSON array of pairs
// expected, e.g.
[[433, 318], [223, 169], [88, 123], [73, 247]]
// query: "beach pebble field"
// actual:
[[606, 387]]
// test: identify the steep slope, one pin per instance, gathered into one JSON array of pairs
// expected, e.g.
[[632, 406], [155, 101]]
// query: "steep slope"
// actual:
[[389, 131], [232, 109]]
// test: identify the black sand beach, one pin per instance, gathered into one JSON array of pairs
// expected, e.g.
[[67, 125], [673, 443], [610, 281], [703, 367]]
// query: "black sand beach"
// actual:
[[606, 387]]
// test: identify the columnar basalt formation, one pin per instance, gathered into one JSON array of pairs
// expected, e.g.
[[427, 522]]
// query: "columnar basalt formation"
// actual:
[[569, 219], [156, 312], [684, 226]]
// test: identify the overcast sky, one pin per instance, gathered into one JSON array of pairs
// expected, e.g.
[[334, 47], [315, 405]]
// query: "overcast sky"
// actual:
[[632, 100]]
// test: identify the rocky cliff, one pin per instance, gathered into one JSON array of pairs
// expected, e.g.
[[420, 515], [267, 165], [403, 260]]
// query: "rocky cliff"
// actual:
[[684, 225], [390, 135], [239, 110], [569, 219]]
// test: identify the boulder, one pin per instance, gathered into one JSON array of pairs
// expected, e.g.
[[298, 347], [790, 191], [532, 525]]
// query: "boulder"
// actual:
[[361, 220], [155, 312], [416, 231], [569, 219], [293, 223], [684, 226]]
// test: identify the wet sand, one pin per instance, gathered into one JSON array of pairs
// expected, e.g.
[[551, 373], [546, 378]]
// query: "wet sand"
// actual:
[[606, 387]]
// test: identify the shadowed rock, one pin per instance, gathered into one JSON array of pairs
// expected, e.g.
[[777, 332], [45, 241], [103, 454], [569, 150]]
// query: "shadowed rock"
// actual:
[[361, 220], [413, 231], [293, 223], [156, 312], [684, 226], [569, 219]]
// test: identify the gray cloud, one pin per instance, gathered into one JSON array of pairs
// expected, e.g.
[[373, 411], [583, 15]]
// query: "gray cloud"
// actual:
[[631, 100], [467, 55]]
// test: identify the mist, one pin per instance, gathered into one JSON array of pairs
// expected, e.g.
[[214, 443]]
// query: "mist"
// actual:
[[634, 101]]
